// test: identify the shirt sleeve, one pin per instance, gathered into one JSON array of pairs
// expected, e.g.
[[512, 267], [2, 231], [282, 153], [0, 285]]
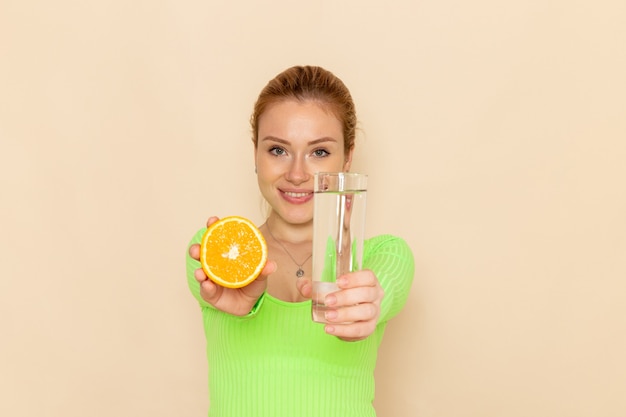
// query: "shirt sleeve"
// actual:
[[192, 265], [391, 260]]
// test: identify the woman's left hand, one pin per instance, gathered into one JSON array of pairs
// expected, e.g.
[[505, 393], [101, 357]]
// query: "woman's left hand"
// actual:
[[353, 310]]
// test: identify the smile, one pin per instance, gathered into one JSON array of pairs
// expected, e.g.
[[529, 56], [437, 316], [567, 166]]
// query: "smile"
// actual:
[[297, 197]]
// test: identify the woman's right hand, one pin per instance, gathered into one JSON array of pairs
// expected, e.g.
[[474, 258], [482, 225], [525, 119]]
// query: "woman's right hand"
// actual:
[[236, 301]]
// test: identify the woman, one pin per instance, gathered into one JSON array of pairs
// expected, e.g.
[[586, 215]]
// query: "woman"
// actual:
[[266, 356]]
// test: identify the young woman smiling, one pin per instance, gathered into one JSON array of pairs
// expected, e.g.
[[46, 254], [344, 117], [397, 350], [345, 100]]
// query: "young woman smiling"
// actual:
[[266, 356]]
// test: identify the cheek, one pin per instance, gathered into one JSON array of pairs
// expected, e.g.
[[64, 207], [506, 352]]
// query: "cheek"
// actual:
[[331, 165], [341, 163], [268, 170]]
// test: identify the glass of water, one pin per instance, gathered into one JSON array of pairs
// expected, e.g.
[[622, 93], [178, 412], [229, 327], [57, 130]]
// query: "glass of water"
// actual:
[[338, 230]]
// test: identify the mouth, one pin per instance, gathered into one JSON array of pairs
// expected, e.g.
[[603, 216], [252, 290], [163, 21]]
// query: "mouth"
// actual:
[[297, 197]]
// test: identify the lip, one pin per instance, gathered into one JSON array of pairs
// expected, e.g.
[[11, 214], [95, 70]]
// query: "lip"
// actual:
[[296, 196]]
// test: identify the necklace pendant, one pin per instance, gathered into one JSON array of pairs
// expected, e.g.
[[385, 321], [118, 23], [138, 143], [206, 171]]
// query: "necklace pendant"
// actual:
[[299, 273]]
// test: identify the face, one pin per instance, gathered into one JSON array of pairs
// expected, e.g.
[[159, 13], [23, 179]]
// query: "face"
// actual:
[[296, 140]]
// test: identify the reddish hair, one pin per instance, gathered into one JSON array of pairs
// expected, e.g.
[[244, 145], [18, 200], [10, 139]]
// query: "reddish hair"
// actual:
[[304, 83]]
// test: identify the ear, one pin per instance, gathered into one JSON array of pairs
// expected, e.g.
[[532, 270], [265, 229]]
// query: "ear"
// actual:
[[348, 162]]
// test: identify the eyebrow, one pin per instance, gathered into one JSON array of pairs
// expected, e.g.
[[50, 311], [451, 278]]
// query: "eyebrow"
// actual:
[[285, 142]]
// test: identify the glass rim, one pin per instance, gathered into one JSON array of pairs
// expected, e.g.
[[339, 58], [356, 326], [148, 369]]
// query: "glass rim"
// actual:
[[340, 173], [340, 182]]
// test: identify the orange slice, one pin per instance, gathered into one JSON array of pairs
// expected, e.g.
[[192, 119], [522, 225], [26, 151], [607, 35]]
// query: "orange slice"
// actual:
[[233, 252]]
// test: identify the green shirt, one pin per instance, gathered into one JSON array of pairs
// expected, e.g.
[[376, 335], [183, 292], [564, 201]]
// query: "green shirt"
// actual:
[[277, 362]]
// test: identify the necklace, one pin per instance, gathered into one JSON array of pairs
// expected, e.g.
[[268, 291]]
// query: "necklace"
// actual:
[[300, 271]]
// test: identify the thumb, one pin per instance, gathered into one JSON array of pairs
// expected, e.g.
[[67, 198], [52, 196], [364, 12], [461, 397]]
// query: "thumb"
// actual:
[[305, 287], [269, 268]]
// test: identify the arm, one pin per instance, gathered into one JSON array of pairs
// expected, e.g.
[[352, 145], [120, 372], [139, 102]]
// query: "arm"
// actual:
[[193, 264], [391, 260], [372, 295]]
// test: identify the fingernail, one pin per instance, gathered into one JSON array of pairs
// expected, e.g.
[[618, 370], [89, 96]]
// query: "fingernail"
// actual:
[[331, 314], [342, 281], [330, 300], [329, 329]]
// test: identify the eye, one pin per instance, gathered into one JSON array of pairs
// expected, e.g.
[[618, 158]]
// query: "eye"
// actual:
[[277, 150], [320, 153]]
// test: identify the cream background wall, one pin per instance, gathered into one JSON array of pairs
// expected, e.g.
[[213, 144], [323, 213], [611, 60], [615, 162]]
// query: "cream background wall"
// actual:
[[494, 134]]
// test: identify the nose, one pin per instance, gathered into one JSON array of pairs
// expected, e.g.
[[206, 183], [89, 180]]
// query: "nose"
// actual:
[[297, 172]]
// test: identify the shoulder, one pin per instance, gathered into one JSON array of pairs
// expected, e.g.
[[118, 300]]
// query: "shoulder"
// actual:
[[385, 243], [388, 247]]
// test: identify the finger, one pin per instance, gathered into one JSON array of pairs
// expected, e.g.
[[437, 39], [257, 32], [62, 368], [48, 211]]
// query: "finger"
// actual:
[[194, 251], [305, 287], [352, 331], [352, 296], [361, 278], [209, 291], [199, 275], [357, 313]]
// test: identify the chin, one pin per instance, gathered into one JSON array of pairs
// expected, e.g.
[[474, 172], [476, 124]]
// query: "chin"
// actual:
[[296, 216]]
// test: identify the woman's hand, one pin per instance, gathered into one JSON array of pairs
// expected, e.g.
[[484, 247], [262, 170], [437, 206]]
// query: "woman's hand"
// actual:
[[236, 301], [354, 309]]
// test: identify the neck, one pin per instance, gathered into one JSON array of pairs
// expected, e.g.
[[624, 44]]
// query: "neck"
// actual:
[[293, 233]]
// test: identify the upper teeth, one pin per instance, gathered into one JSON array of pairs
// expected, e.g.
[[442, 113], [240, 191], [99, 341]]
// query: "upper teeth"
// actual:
[[295, 194]]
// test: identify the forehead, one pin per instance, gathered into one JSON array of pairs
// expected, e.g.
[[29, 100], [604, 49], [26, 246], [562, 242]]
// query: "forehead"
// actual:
[[292, 118]]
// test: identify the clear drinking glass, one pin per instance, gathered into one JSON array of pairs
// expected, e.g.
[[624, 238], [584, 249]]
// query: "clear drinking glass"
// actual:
[[338, 229]]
